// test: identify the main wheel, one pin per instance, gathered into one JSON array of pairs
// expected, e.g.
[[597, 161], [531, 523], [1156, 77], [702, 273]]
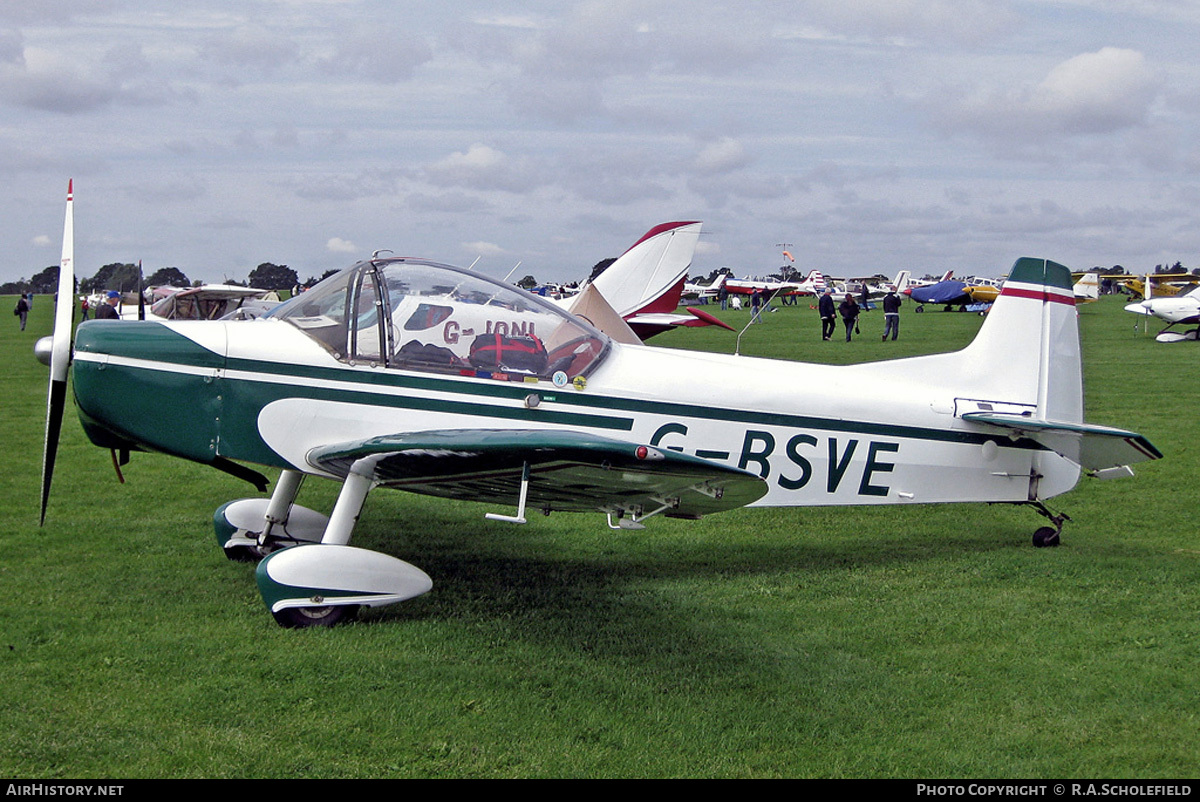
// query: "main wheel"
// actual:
[[304, 617], [1045, 537], [244, 554]]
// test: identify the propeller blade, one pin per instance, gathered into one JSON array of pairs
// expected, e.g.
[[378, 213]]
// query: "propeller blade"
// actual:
[[60, 353]]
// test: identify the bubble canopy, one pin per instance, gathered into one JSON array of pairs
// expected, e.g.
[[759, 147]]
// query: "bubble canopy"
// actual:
[[417, 315]]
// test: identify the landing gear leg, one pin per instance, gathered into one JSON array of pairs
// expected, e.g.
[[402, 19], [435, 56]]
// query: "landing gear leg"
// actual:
[[281, 501], [319, 584], [1048, 536], [250, 529], [347, 509]]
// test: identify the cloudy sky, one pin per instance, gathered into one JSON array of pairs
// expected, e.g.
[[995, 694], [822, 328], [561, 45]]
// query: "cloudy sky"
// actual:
[[867, 135]]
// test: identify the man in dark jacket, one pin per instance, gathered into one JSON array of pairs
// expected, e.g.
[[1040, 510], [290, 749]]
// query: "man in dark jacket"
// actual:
[[828, 312], [848, 309], [108, 309], [891, 314], [22, 310]]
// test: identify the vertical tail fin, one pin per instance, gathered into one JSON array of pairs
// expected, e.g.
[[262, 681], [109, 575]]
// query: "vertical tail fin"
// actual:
[[1087, 288], [649, 276], [1030, 341], [1032, 334]]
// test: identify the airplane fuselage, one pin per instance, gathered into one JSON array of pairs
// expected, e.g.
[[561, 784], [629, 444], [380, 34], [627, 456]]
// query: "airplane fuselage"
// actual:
[[1178, 309], [264, 392]]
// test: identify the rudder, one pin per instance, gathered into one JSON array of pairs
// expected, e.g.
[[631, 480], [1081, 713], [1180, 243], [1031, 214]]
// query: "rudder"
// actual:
[[1030, 340]]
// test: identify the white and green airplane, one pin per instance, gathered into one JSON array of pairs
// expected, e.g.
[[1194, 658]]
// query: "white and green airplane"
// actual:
[[408, 374]]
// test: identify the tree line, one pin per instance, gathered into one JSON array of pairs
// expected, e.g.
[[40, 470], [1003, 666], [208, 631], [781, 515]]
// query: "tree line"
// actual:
[[125, 277]]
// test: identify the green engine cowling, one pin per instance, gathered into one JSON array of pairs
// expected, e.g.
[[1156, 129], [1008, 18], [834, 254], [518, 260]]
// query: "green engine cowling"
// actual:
[[139, 385]]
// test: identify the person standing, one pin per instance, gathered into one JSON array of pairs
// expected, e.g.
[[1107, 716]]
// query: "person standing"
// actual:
[[22, 310], [108, 309], [849, 312], [891, 314], [828, 313], [83, 305]]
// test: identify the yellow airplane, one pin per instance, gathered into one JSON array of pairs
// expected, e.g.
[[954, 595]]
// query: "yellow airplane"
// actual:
[[1161, 284], [983, 293]]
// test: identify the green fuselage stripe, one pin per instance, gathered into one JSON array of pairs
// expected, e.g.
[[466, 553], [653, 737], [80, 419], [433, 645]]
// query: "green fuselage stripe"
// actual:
[[583, 400]]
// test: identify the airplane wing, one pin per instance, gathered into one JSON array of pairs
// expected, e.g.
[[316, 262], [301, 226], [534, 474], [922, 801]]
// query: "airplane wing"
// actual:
[[1093, 448], [567, 471]]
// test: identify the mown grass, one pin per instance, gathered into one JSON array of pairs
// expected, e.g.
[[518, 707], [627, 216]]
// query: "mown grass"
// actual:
[[843, 642]]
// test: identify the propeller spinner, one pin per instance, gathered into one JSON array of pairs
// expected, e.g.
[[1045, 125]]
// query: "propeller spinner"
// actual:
[[58, 351]]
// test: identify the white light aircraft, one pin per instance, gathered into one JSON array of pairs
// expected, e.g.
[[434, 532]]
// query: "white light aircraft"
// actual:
[[707, 291], [1087, 289], [812, 284], [1175, 310], [370, 379], [898, 284], [207, 302]]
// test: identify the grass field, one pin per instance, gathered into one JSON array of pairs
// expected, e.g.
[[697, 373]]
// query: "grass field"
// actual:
[[922, 642]]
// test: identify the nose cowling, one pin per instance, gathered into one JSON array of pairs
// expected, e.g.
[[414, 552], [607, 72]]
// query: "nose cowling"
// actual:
[[142, 385]]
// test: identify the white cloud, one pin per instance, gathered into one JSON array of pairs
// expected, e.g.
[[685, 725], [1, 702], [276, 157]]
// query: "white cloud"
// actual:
[[1102, 91], [903, 21], [1093, 93], [339, 245], [378, 54], [480, 248], [722, 156], [482, 167]]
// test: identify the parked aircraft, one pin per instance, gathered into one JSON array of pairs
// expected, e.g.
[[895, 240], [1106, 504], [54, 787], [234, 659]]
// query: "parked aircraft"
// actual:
[[644, 286], [372, 379], [948, 292], [1175, 310], [705, 291], [877, 289], [1087, 289], [1161, 284], [953, 292], [207, 302], [812, 284]]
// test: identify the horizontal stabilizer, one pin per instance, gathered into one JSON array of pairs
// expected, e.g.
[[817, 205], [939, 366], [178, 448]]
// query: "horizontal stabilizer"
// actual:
[[696, 317], [1093, 448], [568, 471]]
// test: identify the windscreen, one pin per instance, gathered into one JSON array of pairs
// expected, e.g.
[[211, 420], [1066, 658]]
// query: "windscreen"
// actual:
[[418, 315]]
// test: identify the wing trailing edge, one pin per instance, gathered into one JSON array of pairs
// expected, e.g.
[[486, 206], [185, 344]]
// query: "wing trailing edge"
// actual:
[[567, 471]]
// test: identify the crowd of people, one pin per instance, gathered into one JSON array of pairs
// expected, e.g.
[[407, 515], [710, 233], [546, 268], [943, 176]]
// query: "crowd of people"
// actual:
[[850, 309]]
